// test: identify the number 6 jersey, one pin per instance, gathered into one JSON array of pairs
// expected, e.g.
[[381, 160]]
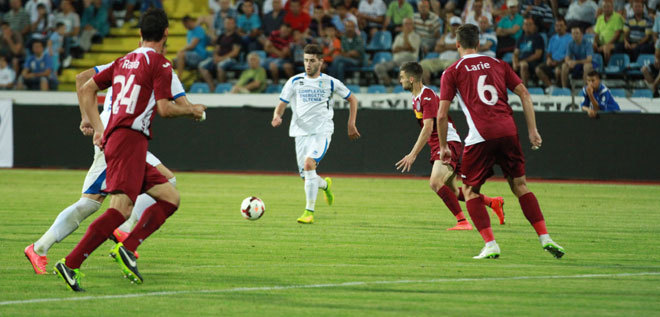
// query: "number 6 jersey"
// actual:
[[480, 84]]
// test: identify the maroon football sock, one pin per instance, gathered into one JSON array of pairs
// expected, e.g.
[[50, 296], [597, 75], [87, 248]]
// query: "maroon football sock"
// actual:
[[451, 201], [460, 194], [532, 211], [99, 231], [152, 218], [480, 218]]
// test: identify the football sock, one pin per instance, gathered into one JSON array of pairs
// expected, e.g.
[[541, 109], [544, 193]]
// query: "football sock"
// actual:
[[311, 188], [151, 220], [99, 231], [141, 204], [532, 211], [451, 201], [460, 194], [322, 183], [480, 218], [66, 222]]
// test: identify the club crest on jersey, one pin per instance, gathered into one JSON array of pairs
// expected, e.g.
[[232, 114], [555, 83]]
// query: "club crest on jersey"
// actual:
[[320, 84], [130, 65], [300, 82]]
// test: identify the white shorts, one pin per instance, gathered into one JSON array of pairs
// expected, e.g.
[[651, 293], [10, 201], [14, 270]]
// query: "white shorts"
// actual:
[[314, 146], [95, 179]]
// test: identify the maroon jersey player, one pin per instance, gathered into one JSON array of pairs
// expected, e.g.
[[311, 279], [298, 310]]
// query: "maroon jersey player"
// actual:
[[141, 86], [443, 176], [480, 84]]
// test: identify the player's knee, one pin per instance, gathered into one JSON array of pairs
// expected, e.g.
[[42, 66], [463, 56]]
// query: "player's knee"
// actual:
[[436, 184], [310, 164]]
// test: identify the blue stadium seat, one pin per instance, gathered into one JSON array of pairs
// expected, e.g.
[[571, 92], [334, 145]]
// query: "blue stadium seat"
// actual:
[[382, 57], [618, 63], [432, 55], [618, 92], [642, 60], [561, 92], [589, 38], [597, 59], [536, 91], [398, 89], [200, 88], [382, 41], [642, 93], [354, 88], [262, 54], [223, 88], [376, 89], [274, 89], [508, 57]]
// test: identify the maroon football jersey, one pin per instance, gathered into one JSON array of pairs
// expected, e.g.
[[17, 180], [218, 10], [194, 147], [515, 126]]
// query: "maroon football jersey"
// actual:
[[138, 80], [425, 106], [480, 84]]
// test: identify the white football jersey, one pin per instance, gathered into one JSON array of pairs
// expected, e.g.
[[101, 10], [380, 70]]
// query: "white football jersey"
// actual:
[[310, 103]]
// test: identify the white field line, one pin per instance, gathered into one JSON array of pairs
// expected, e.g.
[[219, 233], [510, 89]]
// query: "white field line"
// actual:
[[329, 285]]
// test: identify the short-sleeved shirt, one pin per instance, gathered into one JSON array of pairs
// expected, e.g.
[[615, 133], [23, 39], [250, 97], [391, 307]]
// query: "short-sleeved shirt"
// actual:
[[414, 40], [219, 20], [138, 79], [278, 41], [375, 9], [607, 29], [397, 14], [39, 64], [427, 28], [425, 106], [485, 38], [70, 20], [248, 24], [17, 21], [585, 12], [227, 42], [7, 76], [298, 22], [310, 103], [542, 12], [249, 75], [604, 98], [354, 43], [272, 23], [480, 84], [198, 33], [528, 44], [558, 46], [506, 23], [579, 51], [638, 28]]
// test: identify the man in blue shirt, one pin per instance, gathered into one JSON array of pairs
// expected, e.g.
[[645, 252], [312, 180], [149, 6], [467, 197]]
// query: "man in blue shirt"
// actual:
[[529, 50], [195, 51], [556, 53], [597, 97], [38, 70], [578, 57]]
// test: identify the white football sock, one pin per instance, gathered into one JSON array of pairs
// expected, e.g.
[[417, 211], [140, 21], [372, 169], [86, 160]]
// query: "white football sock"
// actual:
[[141, 204], [544, 238], [491, 243], [66, 222], [322, 183], [311, 188]]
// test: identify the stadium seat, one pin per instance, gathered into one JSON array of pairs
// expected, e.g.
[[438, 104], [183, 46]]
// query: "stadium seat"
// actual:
[[589, 38], [561, 92], [618, 63], [432, 55], [354, 88], [262, 54], [382, 41], [398, 89], [376, 89], [274, 89], [382, 57], [223, 88], [508, 57], [597, 59], [536, 91], [200, 88], [642, 60], [618, 92], [642, 93]]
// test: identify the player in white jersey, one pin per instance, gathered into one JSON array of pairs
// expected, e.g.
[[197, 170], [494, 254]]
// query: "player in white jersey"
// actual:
[[94, 185], [310, 94]]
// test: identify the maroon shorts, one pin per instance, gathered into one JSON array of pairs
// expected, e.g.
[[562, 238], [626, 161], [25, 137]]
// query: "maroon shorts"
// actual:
[[128, 171], [456, 149], [478, 160]]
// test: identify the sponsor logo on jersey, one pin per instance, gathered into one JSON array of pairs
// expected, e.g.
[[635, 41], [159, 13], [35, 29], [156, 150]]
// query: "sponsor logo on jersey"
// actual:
[[130, 65]]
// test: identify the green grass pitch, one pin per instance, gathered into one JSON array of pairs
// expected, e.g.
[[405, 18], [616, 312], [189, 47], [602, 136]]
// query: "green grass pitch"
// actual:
[[382, 249]]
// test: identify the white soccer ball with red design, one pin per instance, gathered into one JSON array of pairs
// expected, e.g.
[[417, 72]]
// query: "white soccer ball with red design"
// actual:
[[252, 208]]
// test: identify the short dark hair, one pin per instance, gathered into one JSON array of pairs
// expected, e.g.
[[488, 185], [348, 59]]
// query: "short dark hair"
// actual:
[[59, 24], [413, 69], [593, 73], [468, 35], [153, 25], [313, 49]]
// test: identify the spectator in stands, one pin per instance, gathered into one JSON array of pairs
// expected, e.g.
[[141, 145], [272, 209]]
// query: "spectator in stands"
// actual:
[[637, 33], [226, 11], [268, 6], [619, 7], [94, 22], [351, 5], [273, 19], [371, 15], [597, 97], [56, 45], [608, 29], [578, 57], [72, 21], [249, 26], [404, 49], [195, 50], [397, 11], [529, 51], [474, 16], [629, 10], [298, 20], [253, 79], [320, 20], [18, 19], [486, 7], [509, 29], [352, 52], [651, 73], [32, 8], [11, 46], [448, 54], [540, 11], [330, 44], [37, 71], [581, 13], [556, 53], [342, 15], [487, 38], [225, 55], [428, 25], [7, 74], [279, 52], [43, 24]]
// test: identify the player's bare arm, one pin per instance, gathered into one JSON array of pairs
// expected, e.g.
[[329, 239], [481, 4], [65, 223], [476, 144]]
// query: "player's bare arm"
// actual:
[[530, 118], [81, 79], [89, 109], [353, 133], [277, 114], [443, 121], [179, 108], [407, 161]]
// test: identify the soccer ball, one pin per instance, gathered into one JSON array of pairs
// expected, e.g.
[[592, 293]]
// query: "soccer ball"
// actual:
[[252, 208]]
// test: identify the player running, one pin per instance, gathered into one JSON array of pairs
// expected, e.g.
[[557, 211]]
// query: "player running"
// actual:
[[309, 94], [93, 191], [141, 81], [480, 84], [443, 176]]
